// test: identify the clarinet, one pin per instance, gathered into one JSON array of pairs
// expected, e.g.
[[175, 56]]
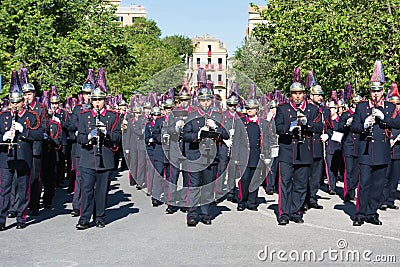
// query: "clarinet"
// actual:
[[300, 132], [371, 128], [12, 148], [99, 150]]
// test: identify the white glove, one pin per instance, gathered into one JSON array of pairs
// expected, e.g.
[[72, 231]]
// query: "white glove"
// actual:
[[165, 136], [378, 113], [267, 161], [211, 124], [324, 137], [178, 125], [56, 119], [76, 133], [151, 140], [293, 125], [18, 127], [231, 132], [103, 130], [142, 131], [303, 120], [45, 136], [126, 151], [201, 129], [92, 134], [269, 116], [8, 135], [369, 121], [349, 121], [228, 142]]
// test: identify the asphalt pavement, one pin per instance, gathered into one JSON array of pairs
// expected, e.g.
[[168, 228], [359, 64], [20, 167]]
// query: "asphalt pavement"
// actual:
[[137, 234]]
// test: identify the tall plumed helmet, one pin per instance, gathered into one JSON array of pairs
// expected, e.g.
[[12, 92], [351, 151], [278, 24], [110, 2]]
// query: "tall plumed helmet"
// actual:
[[332, 104], [146, 104], [23, 76], [394, 94], [45, 98], [54, 97], [252, 103], [232, 100], [252, 91], [272, 104], [334, 96], [88, 86], [356, 99], [378, 77], [184, 93], [169, 103], [204, 93], [234, 90], [16, 94], [100, 89], [156, 111]]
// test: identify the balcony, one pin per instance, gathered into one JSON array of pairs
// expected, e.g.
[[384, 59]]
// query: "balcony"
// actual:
[[209, 53]]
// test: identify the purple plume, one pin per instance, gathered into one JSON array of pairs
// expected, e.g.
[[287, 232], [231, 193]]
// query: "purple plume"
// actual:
[[23, 75], [101, 80], [15, 85], [349, 92], [296, 75], [378, 74], [90, 77], [252, 91], [310, 79]]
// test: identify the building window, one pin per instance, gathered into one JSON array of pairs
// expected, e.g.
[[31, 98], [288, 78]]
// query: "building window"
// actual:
[[209, 48], [209, 60], [120, 19], [209, 77], [133, 19], [219, 77], [219, 60], [198, 61]]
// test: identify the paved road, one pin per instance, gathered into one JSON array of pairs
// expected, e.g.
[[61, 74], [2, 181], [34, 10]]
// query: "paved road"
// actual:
[[138, 234]]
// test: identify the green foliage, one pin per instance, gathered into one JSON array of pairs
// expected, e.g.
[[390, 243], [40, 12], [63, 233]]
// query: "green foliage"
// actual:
[[59, 40], [182, 44], [339, 40]]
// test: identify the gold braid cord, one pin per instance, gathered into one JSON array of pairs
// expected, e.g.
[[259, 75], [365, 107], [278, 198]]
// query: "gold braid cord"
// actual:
[[28, 122]]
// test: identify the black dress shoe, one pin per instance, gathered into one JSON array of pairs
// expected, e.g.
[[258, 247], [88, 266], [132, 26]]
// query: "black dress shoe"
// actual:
[[383, 207], [315, 206], [100, 224], [240, 208], [75, 213], [206, 221], [358, 222], [332, 192], [184, 209], [283, 221], [297, 220], [268, 192], [156, 203], [374, 220], [2, 226], [12, 214], [191, 222], [138, 187], [82, 226], [21, 225], [34, 213], [252, 208], [393, 207], [304, 207], [170, 210]]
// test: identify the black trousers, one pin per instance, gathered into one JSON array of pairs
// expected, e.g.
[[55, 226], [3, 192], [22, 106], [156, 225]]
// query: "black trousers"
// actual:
[[292, 188], [35, 183], [369, 198], [350, 176], [247, 198], [332, 168], [201, 192], [389, 191], [94, 194], [315, 176], [271, 177], [163, 174], [22, 193]]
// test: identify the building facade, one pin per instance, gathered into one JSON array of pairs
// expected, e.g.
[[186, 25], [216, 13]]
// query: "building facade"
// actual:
[[254, 19], [126, 15], [211, 54]]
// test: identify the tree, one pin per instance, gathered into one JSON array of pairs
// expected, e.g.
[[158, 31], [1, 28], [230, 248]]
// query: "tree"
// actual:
[[182, 44], [339, 40], [252, 60]]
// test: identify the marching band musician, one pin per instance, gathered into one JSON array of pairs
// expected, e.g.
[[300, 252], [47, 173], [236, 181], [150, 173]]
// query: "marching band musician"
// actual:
[[373, 120], [99, 133], [390, 189], [30, 100], [271, 185], [350, 151], [296, 122], [72, 126], [202, 131], [19, 127]]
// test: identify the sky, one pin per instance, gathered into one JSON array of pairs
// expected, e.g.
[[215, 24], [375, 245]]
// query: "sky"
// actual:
[[225, 20]]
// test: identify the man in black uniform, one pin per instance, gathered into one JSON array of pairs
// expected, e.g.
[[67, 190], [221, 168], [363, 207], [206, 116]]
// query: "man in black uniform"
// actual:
[[99, 133], [373, 120], [202, 130], [33, 105], [296, 122], [18, 128]]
